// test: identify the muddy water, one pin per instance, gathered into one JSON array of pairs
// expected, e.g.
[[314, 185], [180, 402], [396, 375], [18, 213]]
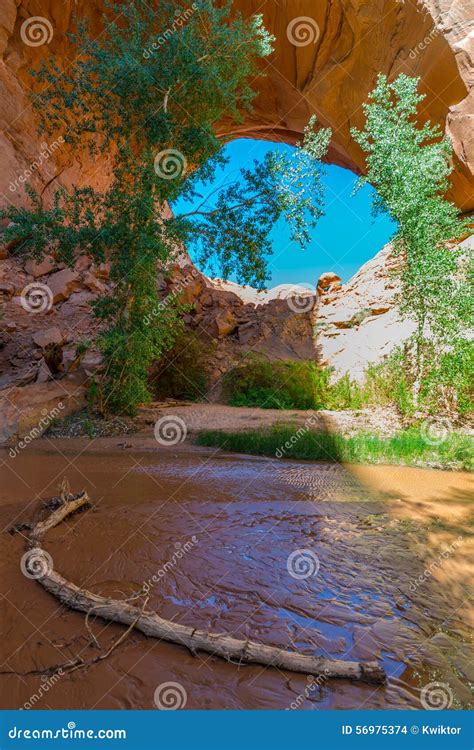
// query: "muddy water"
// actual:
[[214, 533]]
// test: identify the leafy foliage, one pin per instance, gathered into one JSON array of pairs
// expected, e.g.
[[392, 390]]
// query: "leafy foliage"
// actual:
[[182, 372], [409, 164], [151, 108], [234, 232], [282, 384], [446, 386]]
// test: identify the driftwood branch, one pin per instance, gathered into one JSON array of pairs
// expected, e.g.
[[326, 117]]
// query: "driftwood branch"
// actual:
[[152, 625], [67, 508]]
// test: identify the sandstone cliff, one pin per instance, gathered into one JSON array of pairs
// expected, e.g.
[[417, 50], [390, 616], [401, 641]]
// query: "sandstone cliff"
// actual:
[[342, 326], [46, 314], [326, 60]]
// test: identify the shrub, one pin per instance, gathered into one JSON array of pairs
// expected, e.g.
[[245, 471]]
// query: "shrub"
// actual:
[[181, 373], [446, 386], [282, 384]]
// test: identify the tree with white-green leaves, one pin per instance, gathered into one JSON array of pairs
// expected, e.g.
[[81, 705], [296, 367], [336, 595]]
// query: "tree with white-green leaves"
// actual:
[[409, 164], [148, 94]]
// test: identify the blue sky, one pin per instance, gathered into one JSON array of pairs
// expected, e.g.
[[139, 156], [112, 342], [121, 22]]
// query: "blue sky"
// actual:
[[343, 239]]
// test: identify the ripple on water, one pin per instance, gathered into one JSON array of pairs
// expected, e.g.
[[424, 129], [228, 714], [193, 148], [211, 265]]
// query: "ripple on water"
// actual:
[[248, 516]]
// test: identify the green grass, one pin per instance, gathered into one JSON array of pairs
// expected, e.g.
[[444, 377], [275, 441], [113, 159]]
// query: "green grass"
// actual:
[[408, 447]]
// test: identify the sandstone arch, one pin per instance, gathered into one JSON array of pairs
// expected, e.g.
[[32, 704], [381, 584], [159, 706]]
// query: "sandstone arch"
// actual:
[[356, 39]]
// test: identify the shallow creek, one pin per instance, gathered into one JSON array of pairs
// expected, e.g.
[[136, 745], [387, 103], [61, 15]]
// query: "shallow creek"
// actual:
[[214, 532]]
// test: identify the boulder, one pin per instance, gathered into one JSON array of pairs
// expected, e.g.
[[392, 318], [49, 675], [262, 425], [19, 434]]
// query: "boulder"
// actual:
[[225, 323], [83, 262], [328, 282], [26, 412], [101, 270], [47, 336], [43, 374], [40, 268], [63, 284], [93, 283], [7, 290], [17, 378]]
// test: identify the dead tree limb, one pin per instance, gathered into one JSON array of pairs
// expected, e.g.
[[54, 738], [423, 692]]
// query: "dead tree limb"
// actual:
[[67, 508], [217, 644]]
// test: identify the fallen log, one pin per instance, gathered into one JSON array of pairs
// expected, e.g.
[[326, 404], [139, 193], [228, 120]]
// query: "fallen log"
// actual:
[[67, 508], [152, 625]]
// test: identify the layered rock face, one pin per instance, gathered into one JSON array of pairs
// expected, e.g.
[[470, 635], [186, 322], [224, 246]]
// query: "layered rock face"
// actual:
[[359, 323], [232, 321], [344, 327], [46, 314], [326, 60]]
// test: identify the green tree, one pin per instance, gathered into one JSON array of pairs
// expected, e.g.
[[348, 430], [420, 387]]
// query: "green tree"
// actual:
[[147, 94], [409, 164]]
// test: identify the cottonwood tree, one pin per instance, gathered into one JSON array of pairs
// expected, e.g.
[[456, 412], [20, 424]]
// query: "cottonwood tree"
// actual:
[[409, 164], [147, 93]]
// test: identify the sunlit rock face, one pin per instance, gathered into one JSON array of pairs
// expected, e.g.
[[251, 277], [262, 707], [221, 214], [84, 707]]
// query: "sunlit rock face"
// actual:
[[327, 56]]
